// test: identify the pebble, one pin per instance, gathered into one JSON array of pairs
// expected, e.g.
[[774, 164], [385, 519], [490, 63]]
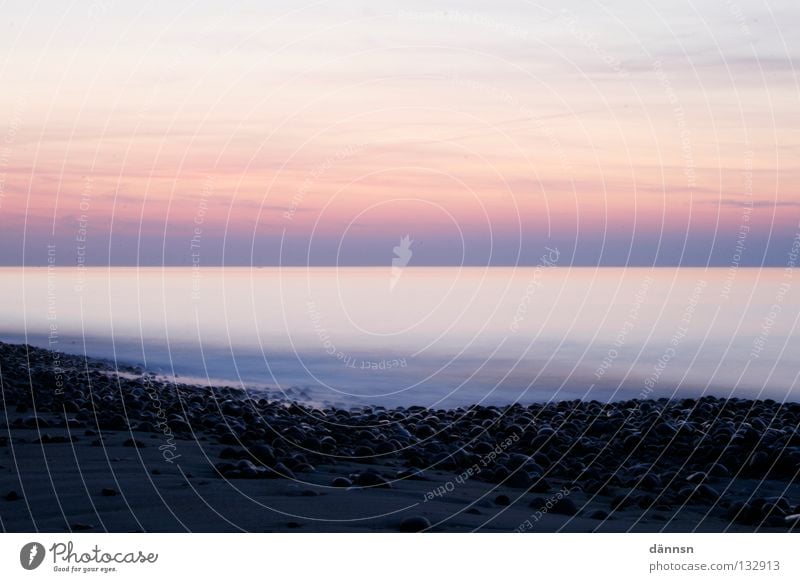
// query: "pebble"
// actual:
[[564, 506], [792, 520], [370, 479], [540, 486], [719, 470], [414, 524], [263, 453], [598, 514], [697, 478], [364, 453]]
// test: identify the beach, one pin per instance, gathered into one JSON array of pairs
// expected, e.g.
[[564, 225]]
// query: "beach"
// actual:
[[89, 446]]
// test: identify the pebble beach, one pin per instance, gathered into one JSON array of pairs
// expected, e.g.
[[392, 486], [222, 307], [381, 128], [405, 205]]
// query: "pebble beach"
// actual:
[[87, 445]]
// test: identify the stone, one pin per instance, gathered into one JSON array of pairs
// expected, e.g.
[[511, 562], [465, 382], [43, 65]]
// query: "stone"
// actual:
[[564, 506], [414, 524]]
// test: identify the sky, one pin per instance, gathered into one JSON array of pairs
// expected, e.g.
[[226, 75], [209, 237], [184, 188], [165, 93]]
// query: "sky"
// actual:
[[285, 133]]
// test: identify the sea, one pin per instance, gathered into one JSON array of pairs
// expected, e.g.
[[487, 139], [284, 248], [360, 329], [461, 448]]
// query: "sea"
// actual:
[[441, 337]]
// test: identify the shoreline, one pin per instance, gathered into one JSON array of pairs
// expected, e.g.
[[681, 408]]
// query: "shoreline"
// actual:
[[86, 446]]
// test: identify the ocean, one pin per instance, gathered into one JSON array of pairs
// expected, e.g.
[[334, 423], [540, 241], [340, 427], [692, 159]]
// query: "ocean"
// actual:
[[439, 337]]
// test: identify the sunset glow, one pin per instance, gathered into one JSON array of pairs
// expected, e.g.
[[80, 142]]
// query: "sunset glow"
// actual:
[[321, 134]]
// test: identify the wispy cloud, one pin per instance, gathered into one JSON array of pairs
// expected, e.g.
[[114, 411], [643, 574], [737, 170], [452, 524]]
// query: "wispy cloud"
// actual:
[[743, 202]]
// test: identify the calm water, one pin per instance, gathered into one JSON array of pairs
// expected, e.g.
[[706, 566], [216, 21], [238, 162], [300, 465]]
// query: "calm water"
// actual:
[[430, 336]]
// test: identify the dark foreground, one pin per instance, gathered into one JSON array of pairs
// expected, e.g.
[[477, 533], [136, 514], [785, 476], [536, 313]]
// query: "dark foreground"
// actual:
[[85, 448]]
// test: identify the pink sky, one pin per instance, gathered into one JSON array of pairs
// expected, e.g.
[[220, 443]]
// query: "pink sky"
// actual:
[[620, 134]]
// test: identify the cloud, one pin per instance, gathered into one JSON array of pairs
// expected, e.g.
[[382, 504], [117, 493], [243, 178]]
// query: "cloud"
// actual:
[[741, 202]]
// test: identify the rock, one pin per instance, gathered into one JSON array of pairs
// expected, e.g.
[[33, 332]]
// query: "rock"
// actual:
[[697, 478], [719, 471], [540, 486], [231, 453], [538, 503], [364, 453], [327, 444], [649, 482], [768, 510], [229, 439], [743, 513], [645, 501], [247, 469], [79, 526], [279, 471], [108, 492], [36, 422], [425, 431], [342, 482], [133, 443], [482, 448], [180, 426], [518, 460], [792, 520], [412, 473], [598, 514], [231, 409], [11, 496], [704, 492], [773, 521], [520, 480], [414, 524], [631, 443], [564, 506], [370, 479], [759, 463], [780, 502], [502, 500], [385, 448], [263, 453]]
